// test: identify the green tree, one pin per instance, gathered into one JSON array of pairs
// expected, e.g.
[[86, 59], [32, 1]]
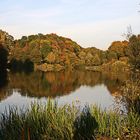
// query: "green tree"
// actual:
[[23, 41], [134, 51], [45, 48]]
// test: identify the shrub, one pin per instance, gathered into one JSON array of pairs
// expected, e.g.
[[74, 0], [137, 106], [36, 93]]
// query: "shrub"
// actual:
[[134, 51]]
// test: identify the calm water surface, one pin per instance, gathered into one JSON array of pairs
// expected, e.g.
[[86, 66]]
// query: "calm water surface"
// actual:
[[80, 87]]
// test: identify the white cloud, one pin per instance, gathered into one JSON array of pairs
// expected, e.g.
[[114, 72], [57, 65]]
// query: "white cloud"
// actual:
[[74, 1], [30, 13], [101, 34]]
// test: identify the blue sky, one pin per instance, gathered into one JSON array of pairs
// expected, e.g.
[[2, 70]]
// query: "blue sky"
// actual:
[[88, 22]]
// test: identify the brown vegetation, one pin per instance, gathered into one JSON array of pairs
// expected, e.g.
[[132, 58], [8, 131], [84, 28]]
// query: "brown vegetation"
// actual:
[[55, 53]]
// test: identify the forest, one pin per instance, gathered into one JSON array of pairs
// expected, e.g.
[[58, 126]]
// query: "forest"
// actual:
[[51, 52]]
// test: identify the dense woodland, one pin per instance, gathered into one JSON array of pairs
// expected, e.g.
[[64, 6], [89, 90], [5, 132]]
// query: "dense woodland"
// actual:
[[55, 53]]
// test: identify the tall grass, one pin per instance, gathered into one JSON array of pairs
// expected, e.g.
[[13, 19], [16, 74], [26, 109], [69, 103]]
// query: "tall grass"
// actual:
[[53, 122]]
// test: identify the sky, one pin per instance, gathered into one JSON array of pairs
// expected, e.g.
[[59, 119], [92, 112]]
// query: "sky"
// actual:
[[91, 23]]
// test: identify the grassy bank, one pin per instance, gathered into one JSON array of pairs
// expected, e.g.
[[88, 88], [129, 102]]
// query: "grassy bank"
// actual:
[[51, 122]]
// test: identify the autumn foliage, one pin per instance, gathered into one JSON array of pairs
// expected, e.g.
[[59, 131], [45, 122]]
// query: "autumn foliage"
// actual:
[[51, 52]]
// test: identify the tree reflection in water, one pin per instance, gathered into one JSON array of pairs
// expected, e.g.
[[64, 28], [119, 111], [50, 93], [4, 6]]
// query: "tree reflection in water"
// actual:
[[38, 84], [57, 84]]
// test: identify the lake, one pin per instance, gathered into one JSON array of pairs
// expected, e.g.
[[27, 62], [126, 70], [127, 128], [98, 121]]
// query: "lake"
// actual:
[[79, 87]]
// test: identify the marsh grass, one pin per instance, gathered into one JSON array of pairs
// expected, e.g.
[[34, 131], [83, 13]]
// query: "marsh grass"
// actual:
[[67, 122]]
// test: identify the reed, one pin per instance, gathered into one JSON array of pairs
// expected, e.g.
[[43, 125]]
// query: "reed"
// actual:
[[68, 122]]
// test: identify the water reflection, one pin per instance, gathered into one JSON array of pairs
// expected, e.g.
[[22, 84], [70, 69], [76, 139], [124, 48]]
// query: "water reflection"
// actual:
[[38, 84], [66, 86]]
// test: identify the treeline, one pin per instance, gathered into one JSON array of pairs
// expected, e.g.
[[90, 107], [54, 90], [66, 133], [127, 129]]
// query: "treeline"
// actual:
[[54, 53]]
